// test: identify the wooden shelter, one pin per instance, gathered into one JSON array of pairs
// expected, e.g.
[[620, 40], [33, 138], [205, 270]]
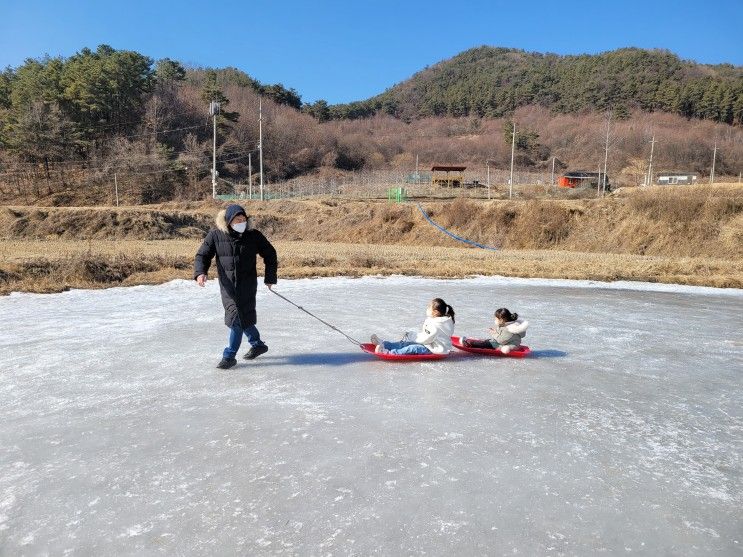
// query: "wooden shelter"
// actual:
[[449, 175]]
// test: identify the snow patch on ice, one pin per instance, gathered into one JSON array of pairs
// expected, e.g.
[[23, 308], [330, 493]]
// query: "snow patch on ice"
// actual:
[[661, 446], [136, 530], [700, 528]]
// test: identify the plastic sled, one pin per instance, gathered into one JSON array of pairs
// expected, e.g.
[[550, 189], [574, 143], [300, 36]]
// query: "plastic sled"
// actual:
[[518, 352], [369, 349]]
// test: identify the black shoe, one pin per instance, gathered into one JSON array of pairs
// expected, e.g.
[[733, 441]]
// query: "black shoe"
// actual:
[[227, 363], [255, 351]]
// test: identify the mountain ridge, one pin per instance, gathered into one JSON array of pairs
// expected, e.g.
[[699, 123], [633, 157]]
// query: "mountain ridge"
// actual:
[[488, 81]]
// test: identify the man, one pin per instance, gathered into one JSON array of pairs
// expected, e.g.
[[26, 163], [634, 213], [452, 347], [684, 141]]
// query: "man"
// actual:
[[235, 247]]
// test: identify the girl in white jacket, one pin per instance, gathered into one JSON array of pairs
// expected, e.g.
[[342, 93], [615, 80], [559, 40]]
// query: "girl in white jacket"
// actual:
[[434, 338]]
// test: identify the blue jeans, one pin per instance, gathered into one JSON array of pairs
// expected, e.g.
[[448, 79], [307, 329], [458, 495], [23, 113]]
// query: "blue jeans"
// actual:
[[236, 337], [405, 347]]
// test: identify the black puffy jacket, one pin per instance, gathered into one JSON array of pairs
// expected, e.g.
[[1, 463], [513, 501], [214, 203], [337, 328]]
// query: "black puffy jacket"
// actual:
[[236, 268]]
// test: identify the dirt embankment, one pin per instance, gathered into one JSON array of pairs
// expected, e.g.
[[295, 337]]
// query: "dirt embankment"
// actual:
[[681, 235], [670, 222], [105, 223]]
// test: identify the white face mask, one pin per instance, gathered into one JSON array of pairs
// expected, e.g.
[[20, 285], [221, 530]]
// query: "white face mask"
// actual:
[[239, 227]]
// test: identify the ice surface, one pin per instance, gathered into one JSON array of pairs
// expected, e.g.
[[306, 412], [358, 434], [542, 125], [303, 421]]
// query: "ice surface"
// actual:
[[624, 433]]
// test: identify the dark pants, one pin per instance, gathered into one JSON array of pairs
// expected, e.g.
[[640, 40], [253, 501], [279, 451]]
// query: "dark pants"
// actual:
[[236, 337], [476, 343]]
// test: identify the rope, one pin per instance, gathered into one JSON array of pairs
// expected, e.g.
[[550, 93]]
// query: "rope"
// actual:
[[356, 342], [458, 238]]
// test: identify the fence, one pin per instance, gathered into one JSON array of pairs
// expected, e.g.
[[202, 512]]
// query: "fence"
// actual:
[[375, 184]]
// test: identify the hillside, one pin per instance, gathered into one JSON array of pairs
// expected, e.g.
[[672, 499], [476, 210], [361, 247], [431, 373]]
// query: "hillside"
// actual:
[[77, 130], [492, 82]]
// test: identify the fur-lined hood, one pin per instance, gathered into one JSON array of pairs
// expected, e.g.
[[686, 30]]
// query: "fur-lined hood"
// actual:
[[517, 327], [222, 225]]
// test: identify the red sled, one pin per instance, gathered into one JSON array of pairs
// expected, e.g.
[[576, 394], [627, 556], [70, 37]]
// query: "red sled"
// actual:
[[369, 349], [518, 352]]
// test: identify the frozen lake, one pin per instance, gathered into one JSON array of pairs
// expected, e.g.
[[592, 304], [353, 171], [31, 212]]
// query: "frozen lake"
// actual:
[[623, 433]]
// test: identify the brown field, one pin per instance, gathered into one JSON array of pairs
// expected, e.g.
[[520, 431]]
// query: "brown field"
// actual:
[[54, 266], [685, 235]]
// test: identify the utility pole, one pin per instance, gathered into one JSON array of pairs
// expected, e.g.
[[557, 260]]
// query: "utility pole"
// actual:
[[714, 158], [116, 188], [214, 111], [606, 154], [513, 149], [487, 165], [260, 140], [649, 178], [552, 178], [416, 168], [214, 159], [250, 174]]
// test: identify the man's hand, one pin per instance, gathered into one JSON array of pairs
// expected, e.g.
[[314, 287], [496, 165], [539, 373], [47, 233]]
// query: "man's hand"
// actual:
[[270, 286], [201, 279]]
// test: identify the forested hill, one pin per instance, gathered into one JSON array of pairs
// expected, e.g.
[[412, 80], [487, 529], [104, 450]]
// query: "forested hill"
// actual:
[[493, 82], [72, 127]]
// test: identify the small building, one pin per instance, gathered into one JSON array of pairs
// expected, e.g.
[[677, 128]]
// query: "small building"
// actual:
[[449, 175], [582, 179], [667, 178]]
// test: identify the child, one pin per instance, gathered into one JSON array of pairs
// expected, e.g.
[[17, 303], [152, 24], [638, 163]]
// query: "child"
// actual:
[[507, 333], [435, 338]]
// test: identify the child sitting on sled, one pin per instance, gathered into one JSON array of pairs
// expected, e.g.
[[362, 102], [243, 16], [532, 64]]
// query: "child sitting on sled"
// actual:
[[434, 338], [507, 333]]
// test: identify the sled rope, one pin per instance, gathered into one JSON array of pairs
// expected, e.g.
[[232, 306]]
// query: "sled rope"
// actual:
[[458, 238], [356, 342]]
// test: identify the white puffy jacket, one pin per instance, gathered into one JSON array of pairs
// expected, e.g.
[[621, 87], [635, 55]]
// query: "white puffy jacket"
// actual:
[[435, 335], [511, 333]]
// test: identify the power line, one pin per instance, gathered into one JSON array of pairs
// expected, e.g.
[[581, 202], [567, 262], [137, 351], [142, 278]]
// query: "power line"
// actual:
[[158, 132], [83, 163], [139, 121], [203, 166], [86, 164], [227, 158]]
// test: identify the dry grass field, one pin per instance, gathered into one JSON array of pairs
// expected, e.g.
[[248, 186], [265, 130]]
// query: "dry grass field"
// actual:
[[685, 235], [53, 266]]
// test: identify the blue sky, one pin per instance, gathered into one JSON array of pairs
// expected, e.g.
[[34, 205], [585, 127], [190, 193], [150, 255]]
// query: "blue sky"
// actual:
[[344, 51]]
